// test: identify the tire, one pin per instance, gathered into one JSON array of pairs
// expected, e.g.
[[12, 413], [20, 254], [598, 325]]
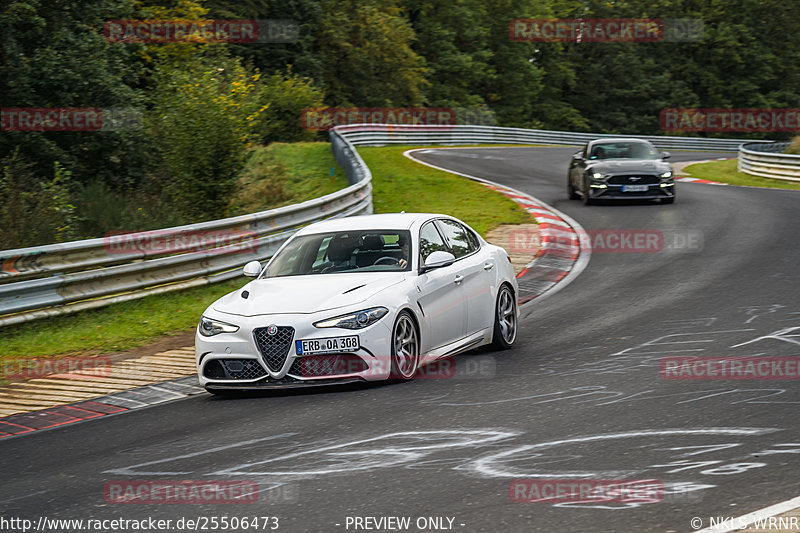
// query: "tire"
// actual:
[[505, 319], [571, 194], [405, 347]]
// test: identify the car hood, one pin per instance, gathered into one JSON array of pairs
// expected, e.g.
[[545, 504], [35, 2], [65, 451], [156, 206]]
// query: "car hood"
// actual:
[[306, 294], [626, 166]]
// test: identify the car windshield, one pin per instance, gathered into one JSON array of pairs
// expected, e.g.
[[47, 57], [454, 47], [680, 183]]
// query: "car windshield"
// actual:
[[624, 150], [346, 251]]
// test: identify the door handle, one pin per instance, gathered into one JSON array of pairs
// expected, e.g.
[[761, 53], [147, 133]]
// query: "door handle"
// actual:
[[458, 279], [488, 266]]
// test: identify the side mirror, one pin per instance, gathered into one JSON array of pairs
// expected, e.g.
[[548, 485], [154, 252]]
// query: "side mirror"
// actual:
[[438, 259], [252, 269], [665, 155], [577, 156]]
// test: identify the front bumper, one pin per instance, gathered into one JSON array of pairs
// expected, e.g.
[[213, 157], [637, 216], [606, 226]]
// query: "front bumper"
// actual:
[[614, 192], [249, 359], [285, 383]]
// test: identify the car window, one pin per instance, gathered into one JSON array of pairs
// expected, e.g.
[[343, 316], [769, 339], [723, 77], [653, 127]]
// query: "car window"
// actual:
[[430, 241], [474, 242], [624, 150], [346, 251], [457, 237]]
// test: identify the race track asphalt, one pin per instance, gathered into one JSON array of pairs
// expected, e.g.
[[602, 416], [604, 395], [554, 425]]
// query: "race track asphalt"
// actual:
[[580, 396]]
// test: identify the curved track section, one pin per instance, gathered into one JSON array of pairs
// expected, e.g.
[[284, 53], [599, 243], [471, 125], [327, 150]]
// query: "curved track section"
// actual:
[[562, 252], [581, 396]]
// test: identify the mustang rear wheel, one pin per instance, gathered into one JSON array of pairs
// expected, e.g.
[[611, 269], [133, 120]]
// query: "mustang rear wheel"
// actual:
[[405, 347], [505, 319]]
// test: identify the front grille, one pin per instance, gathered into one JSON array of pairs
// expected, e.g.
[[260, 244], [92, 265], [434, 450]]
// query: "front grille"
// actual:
[[233, 369], [274, 348], [626, 180], [328, 365], [243, 368]]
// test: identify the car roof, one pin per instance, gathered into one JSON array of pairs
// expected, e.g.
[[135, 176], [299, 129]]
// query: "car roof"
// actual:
[[382, 221], [620, 140]]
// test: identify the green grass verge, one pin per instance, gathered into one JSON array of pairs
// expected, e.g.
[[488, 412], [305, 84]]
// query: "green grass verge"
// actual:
[[283, 174], [727, 172], [399, 184]]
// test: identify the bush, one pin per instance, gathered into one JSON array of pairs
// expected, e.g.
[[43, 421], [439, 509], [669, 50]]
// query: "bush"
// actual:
[[262, 186], [287, 96], [205, 114], [103, 210], [794, 148], [34, 212]]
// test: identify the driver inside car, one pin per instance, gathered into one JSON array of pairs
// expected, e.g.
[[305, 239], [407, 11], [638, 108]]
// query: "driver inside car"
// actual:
[[404, 247]]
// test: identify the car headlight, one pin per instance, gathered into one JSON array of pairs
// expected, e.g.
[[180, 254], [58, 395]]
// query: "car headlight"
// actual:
[[597, 176], [356, 320], [666, 175], [209, 327]]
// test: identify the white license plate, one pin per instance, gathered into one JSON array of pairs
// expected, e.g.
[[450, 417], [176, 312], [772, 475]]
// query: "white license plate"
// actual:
[[327, 345], [634, 188]]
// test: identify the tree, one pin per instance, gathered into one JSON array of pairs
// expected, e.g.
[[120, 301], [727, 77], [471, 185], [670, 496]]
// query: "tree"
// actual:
[[452, 38], [366, 55], [54, 55], [205, 116]]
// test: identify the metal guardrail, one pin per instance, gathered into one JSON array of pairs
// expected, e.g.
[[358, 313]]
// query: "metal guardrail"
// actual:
[[59, 278], [375, 135], [767, 161], [47, 280]]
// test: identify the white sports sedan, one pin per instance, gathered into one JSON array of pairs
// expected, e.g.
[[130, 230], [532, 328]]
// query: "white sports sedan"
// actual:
[[362, 298]]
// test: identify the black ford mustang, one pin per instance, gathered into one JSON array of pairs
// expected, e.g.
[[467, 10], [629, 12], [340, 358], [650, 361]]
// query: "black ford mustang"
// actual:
[[615, 169]]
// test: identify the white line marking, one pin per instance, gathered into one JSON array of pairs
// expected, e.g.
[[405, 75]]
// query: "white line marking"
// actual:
[[336, 461], [780, 335], [493, 465], [751, 518], [130, 470], [27, 496]]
